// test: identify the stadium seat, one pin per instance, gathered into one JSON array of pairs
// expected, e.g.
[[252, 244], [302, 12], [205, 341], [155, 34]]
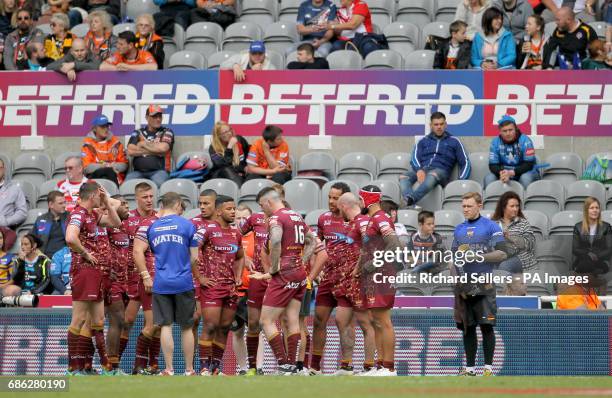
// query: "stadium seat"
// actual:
[[447, 220], [443, 290], [551, 257], [599, 27], [534, 289], [302, 195], [565, 168], [317, 161], [420, 59], [488, 213], [134, 8], [384, 59], [608, 205], [205, 156], [184, 187], [261, 12], [402, 37], [410, 219], [45, 28], [277, 59], [381, 11], [495, 190], [289, 10], [249, 191], [43, 191], [204, 38], [326, 188], [445, 10], [216, 59], [578, 191], [59, 170], [545, 196], [480, 166], [80, 30], [417, 12], [410, 291], [35, 167], [108, 185], [455, 190], [549, 28], [222, 186], [359, 167], [187, 60], [30, 191], [436, 29], [123, 27], [538, 222], [189, 214], [280, 36], [563, 222], [345, 60], [127, 191], [30, 220], [433, 200], [390, 190], [312, 218], [173, 44], [392, 165], [238, 36], [8, 164]]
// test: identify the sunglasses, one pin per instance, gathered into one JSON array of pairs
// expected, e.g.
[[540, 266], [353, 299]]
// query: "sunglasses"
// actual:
[[23, 18]]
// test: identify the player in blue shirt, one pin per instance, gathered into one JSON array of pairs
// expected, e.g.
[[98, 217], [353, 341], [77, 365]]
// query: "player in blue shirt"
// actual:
[[475, 303], [174, 242]]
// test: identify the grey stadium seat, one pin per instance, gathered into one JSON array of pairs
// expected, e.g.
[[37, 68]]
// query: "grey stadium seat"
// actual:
[[410, 219], [392, 165], [222, 186], [59, 170], [384, 59], [488, 213], [184, 187], [539, 223], [216, 59], [555, 253], [327, 187], [127, 191], [549, 28], [189, 214], [124, 27], [480, 166], [447, 220], [455, 190], [34, 167], [8, 163], [494, 190], [173, 44], [43, 191], [30, 220], [545, 196], [134, 8], [320, 161], [30, 191], [608, 205], [437, 28], [312, 218], [565, 168], [187, 60], [402, 37], [433, 200], [239, 35], [563, 222], [261, 12], [599, 27], [390, 189], [281, 35], [445, 10], [420, 59], [359, 167], [607, 216], [345, 60], [277, 59], [382, 11], [302, 195], [80, 30], [577, 192], [108, 185], [289, 10], [417, 12], [203, 37], [250, 189]]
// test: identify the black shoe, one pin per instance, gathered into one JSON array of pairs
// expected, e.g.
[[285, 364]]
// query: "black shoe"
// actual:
[[409, 201], [259, 372]]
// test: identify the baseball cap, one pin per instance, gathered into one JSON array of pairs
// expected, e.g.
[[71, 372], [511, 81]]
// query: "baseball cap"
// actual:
[[154, 110], [257, 47], [101, 120], [506, 119]]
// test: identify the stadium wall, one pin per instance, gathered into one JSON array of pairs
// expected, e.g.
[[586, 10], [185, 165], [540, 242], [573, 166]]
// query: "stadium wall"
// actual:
[[535, 343]]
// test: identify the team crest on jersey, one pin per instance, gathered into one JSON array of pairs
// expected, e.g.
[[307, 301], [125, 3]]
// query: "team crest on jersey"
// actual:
[[217, 234], [470, 232], [327, 222]]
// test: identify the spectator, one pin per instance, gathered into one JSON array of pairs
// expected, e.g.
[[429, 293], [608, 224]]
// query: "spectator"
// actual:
[[570, 39], [60, 271], [100, 39], [228, 153], [255, 59], [31, 274], [58, 43], [515, 14], [13, 205], [580, 296], [269, 157], [598, 59], [531, 47], [221, 12], [60, 7], [312, 19], [608, 18], [520, 241], [151, 148], [111, 7], [148, 40], [307, 60], [7, 262], [511, 155], [391, 208], [592, 243], [426, 240], [495, 47], [50, 227], [584, 9], [352, 19], [471, 12], [71, 185], [128, 57], [455, 52], [78, 59], [175, 10], [103, 153], [433, 160], [37, 60], [7, 8], [34, 6], [17, 40]]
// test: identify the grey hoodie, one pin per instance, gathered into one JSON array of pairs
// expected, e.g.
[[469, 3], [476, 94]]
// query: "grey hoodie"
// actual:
[[13, 205]]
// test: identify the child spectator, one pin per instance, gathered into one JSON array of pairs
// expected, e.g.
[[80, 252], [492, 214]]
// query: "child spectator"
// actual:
[[455, 52]]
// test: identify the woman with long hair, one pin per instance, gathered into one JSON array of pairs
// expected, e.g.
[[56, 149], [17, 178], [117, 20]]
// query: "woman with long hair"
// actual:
[[531, 48], [148, 40], [32, 269], [494, 47], [228, 153], [58, 43], [519, 238], [100, 39], [6, 261]]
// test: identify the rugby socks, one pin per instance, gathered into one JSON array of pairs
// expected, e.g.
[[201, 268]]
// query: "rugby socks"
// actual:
[[123, 342], [315, 360], [470, 344], [86, 349], [292, 347], [98, 334], [307, 354], [278, 348], [389, 365], [488, 343], [252, 343], [154, 348], [379, 364], [114, 362], [205, 350], [142, 351], [73, 341], [218, 349]]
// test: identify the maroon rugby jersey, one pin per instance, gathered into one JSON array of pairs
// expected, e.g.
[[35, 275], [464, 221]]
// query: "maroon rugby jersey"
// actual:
[[141, 234], [219, 247], [256, 223], [130, 226], [87, 222], [379, 226], [333, 231], [346, 283], [120, 248], [292, 244], [103, 251]]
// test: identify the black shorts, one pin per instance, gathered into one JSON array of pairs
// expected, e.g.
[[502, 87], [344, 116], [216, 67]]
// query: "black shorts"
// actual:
[[241, 317], [306, 301], [475, 310], [174, 308]]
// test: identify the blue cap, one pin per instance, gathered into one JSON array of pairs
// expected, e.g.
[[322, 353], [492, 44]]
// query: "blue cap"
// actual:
[[257, 47], [506, 119], [101, 120]]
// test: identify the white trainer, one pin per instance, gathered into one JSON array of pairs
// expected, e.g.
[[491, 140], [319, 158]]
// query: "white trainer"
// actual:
[[343, 372], [384, 372], [368, 373]]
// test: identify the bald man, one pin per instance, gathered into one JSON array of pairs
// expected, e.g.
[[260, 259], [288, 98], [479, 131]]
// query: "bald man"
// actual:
[[79, 59]]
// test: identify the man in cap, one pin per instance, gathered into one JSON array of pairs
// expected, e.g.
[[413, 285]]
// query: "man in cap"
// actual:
[[255, 59], [103, 153]]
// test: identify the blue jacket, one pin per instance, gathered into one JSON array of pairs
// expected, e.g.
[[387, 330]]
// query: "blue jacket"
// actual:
[[42, 228], [518, 155], [159, 3], [506, 54], [60, 270], [442, 153]]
